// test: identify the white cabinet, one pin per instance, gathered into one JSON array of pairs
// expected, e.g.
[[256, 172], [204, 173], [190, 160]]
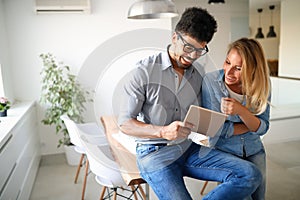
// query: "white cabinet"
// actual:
[[284, 124], [20, 156], [285, 91]]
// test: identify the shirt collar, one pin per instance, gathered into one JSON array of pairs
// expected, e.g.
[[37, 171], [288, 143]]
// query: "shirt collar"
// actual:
[[166, 61], [221, 75], [220, 81]]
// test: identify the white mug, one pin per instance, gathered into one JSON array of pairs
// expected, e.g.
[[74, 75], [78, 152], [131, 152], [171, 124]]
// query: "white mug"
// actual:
[[223, 104]]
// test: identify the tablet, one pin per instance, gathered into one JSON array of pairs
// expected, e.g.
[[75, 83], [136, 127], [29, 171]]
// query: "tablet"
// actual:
[[206, 122]]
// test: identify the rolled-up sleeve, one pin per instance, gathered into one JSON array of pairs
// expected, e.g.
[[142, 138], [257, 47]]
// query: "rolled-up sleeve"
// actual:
[[132, 95], [264, 122], [228, 129]]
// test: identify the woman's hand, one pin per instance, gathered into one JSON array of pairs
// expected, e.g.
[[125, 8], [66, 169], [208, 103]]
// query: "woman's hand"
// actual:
[[231, 106]]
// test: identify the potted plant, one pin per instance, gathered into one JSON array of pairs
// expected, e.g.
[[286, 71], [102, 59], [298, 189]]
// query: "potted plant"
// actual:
[[61, 94], [4, 106]]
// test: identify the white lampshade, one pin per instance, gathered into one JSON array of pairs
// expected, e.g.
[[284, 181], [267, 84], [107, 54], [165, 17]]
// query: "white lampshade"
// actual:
[[152, 9]]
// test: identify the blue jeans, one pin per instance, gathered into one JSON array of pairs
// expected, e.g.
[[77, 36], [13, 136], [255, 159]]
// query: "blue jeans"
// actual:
[[259, 159], [163, 167]]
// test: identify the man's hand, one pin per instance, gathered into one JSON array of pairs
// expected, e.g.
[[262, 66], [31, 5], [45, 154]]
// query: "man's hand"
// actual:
[[176, 130]]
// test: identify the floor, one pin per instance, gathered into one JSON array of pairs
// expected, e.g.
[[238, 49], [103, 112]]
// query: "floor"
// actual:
[[55, 179]]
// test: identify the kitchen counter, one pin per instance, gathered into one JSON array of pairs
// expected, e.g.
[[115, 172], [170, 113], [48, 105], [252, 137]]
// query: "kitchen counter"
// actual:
[[285, 112], [284, 124], [19, 151], [14, 115]]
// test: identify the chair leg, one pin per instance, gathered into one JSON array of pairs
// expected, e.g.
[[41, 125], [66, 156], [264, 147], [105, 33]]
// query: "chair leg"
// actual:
[[78, 167], [85, 177], [134, 193], [102, 192], [115, 195], [142, 191], [203, 188]]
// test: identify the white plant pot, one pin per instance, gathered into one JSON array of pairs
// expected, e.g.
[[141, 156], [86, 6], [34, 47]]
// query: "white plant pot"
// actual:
[[72, 156]]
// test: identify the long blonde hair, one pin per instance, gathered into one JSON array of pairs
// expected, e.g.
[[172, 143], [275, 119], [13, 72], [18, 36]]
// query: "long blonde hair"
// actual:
[[255, 73]]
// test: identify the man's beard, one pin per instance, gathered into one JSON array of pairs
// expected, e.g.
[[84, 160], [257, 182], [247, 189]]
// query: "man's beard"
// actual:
[[186, 58]]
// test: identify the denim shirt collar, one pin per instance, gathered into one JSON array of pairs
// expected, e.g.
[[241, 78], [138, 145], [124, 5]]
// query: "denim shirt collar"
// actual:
[[225, 93], [221, 83]]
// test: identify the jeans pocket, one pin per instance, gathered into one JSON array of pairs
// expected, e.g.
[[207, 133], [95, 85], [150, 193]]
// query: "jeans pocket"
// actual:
[[144, 150]]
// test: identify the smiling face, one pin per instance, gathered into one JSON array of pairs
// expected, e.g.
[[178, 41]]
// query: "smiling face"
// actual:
[[233, 70], [183, 58]]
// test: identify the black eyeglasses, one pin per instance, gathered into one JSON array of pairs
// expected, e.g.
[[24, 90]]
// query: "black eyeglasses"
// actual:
[[188, 48]]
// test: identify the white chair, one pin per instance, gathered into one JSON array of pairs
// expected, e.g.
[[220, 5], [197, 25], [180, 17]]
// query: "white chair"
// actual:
[[107, 172], [91, 130]]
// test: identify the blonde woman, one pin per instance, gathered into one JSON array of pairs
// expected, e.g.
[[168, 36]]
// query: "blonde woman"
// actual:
[[243, 87]]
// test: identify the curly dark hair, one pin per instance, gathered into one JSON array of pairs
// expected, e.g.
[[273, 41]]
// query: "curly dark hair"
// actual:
[[198, 24]]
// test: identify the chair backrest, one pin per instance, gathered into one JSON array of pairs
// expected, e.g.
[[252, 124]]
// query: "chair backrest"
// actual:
[[91, 128], [125, 159], [72, 130], [102, 163]]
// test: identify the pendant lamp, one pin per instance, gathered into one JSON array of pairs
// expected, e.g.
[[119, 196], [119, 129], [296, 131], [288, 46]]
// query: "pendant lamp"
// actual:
[[152, 9], [271, 29], [259, 33], [216, 1]]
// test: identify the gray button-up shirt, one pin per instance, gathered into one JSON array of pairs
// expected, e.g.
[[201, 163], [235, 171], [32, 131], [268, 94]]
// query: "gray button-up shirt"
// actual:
[[152, 92]]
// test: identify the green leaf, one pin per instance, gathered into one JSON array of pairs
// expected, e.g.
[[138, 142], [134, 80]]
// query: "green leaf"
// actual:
[[61, 94]]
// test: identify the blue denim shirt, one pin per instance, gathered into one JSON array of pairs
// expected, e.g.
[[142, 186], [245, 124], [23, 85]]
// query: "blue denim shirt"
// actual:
[[213, 89]]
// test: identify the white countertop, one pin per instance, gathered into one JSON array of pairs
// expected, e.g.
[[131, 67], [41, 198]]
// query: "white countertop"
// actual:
[[284, 112], [14, 114]]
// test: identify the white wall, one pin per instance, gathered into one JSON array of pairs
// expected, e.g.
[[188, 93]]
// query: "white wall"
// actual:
[[289, 40], [285, 91], [71, 37], [4, 61]]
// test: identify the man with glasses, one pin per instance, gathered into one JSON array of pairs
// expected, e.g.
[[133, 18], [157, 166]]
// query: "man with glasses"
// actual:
[[188, 48], [156, 99]]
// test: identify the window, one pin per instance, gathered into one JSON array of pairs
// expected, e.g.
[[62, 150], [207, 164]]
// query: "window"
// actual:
[[1, 83]]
